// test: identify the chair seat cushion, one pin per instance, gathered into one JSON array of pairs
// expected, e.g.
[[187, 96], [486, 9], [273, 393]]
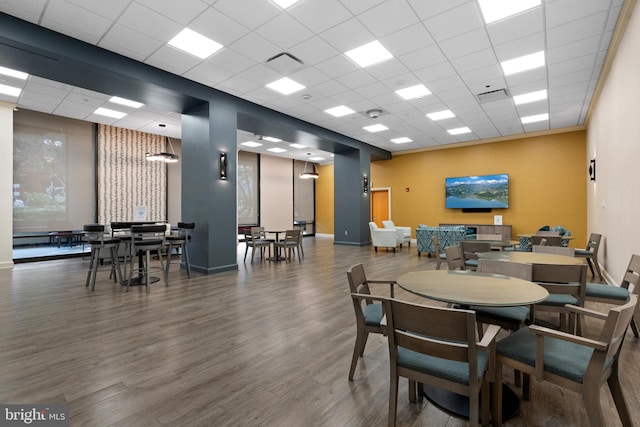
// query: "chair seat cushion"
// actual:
[[373, 314], [583, 252], [599, 290], [105, 242], [471, 263], [441, 368], [568, 360], [516, 314], [559, 300]]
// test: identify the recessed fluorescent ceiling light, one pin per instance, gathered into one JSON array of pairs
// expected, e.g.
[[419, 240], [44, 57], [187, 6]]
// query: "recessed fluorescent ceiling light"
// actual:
[[13, 73], [271, 139], [441, 115], [195, 44], [375, 128], [127, 102], [10, 90], [369, 54], [525, 98], [316, 158], [339, 111], [401, 140], [494, 10], [523, 63], [298, 146], [251, 144], [277, 150], [458, 131], [285, 86], [536, 118], [413, 92], [285, 3], [110, 113]]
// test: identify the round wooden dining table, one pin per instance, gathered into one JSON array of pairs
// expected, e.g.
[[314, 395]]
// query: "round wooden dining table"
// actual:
[[469, 288]]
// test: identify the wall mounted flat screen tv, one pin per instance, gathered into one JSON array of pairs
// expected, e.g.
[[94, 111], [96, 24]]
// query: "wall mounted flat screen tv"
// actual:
[[477, 192]]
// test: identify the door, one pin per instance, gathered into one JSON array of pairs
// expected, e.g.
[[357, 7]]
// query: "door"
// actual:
[[379, 206]]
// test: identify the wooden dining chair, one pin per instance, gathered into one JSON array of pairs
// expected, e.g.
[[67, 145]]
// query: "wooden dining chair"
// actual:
[[566, 285], [95, 236], [470, 250], [437, 346], [554, 249], [579, 364], [256, 240], [368, 312], [455, 261], [440, 255], [611, 294], [538, 240], [290, 244], [590, 253]]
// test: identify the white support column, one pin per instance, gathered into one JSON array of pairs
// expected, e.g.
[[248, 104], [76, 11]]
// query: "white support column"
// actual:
[[6, 184]]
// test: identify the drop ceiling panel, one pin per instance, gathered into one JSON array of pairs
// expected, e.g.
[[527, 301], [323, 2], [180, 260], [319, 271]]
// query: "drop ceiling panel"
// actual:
[[75, 21], [348, 35], [465, 44], [565, 11], [519, 26], [388, 17], [407, 39], [261, 11], [313, 51], [183, 11], [454, 22], [284, 31], [150, 23], [576, 30], [129, 42], [319, 16], [218, 27]]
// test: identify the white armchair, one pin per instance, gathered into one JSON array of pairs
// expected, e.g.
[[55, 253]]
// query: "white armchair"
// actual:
[[403, 233], [383, 237]]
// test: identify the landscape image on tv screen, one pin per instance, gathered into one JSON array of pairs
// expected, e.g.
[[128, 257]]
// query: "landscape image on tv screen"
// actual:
[[473, 192]]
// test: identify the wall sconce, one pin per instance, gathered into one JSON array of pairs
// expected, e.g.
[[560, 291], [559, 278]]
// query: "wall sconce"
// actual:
[[592, 169], [366, 185], [223, 166]]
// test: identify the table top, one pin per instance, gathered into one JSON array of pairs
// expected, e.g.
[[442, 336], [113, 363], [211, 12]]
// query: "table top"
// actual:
[[472, 288], [530, 257]]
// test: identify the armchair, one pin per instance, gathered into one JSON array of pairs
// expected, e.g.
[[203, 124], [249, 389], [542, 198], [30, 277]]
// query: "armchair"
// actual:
[[403, 233], [383, 237]]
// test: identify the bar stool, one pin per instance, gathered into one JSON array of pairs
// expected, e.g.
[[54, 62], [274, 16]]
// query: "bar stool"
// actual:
[[144, 240], [180, 241], [98, 241]]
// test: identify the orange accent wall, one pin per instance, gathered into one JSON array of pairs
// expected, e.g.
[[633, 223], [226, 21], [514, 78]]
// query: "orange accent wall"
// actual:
[[547, 184], [324, 200]]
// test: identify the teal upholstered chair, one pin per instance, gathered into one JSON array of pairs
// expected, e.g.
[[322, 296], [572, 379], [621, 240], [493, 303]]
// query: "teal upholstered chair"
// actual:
[[470, 250], [590, 253], [611, 294], [439, 253], [368, 312], [576, 363], [437, 346]]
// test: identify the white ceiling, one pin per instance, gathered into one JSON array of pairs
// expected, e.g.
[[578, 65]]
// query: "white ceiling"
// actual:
[[444, 45]]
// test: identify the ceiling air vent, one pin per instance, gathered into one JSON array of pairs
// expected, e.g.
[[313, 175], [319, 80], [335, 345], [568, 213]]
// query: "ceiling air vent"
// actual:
[[493, 95], [284, 63]]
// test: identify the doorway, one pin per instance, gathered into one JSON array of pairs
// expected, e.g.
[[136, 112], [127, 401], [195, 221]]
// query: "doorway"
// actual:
[[380, 205]]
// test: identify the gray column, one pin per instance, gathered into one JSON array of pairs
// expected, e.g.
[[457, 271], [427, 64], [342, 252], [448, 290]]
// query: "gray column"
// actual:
[[6, 184], [207, 200], [351, 203]]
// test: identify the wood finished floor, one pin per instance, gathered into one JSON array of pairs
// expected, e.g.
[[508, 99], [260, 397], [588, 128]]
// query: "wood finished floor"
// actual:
[[268, 345]]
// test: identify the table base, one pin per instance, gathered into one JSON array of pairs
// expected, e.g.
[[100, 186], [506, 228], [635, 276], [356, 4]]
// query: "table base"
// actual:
[[140, 280], [458, 405]]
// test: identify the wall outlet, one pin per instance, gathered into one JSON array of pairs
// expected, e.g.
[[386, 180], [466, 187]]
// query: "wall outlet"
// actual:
[[346, 232]]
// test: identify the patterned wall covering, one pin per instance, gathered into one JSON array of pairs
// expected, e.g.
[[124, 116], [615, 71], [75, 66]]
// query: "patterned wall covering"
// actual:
[[125, 179]]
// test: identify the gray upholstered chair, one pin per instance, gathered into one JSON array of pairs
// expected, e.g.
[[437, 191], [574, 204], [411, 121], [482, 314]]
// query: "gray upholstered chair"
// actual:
[[255, 239], [403, 233], [144, 240], [590, 253], [437, 346], [290, 244], [579, 364], [368, 313], [611, 294], [180, 241]]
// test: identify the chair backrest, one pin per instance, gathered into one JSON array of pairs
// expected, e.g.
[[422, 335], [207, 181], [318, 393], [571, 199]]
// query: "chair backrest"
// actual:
[[470, 248], [506, 268], [388, 224], [436, 245], [613, 332], [358, 280], [562, 279], [292, 236], [631, 278], [94, 232], [539, 240], [556, 250], [594, 243], [184, 228], [435, 331], [373, 226], [257, 233], [454, 258], [154, 232]]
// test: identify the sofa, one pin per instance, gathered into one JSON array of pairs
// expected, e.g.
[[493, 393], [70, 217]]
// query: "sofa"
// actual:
[[447, 236]]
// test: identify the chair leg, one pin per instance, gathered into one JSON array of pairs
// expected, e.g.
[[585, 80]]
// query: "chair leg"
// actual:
[[474, 405], [393, 398], [597, 267], [618, 398], [497, 395], [186, 258], [412, 391], [90, 271], [591, 399], [166, 271], [590, 264], [358, 350]]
